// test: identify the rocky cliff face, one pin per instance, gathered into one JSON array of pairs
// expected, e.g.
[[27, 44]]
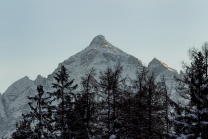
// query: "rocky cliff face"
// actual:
[[15, 102], [3, 118], [99, 54]]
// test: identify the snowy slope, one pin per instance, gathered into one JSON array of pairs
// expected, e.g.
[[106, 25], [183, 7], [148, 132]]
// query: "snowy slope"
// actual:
[[15, 101], [3, 119], [99, 54]]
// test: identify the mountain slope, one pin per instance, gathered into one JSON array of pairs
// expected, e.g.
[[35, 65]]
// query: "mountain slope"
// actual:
[[3, 119], [99, 54], [15, 101]]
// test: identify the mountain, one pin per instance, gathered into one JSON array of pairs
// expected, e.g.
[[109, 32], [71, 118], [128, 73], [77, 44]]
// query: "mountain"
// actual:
[[158, 67], [99, 54]]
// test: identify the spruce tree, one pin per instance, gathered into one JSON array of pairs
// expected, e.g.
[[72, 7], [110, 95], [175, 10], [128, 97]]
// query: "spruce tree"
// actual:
[[147, 116], [138, 105], [110, 88], [192, 119], [64, 95], [35, 125], [166, 107], [85, 104], [23, 130], [153, 101]]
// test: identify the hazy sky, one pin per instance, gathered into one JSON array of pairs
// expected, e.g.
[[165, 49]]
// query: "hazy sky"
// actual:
[[37, 35]]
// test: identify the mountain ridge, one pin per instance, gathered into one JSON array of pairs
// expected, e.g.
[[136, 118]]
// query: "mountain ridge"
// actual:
[[99, 54]]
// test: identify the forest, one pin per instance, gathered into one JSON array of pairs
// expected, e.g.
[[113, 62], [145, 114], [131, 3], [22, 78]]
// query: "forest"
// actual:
[[110, 106]]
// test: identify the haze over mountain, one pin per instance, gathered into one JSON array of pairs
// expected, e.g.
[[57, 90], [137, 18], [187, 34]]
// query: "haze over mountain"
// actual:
[[99, 54]]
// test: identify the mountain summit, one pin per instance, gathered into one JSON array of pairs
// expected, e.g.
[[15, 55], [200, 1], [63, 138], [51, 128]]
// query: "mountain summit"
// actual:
[[99, 40], [101, 44], [158, 66], [100, 54]]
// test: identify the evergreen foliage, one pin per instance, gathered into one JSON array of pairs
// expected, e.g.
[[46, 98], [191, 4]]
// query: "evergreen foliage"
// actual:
[[111, 86], [105, 108], [23, 130], [36, 123], [191, 120], [86, 105], [148, 108], [65, 119]]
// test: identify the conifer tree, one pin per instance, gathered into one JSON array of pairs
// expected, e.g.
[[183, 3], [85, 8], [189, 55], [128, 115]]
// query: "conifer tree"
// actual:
[[166, 106], [138, 104], [41, 113], [23, 130], [85, 104], [64, 115], [148, 108], [35, 124], [153, 100], [111, 83], [192, 119]]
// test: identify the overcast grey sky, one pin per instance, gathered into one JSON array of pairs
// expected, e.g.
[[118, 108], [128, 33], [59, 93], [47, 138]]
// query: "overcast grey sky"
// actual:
[[37, 35]]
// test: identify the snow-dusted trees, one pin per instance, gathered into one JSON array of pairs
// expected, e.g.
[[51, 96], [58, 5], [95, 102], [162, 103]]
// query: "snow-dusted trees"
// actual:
[[192, 119], [64, 114], [86, 105], [36, 123], [166, 107], [52, 121], [149, 107], [107, 107], [23, 130], [134, 113], [40, 114], [110, 87]]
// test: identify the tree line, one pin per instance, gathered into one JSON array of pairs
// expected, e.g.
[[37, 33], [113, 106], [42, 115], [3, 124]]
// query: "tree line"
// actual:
[[117, 107]]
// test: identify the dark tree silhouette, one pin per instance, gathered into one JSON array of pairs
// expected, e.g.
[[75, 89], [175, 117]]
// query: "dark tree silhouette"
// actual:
[[110, 87], [147, 112], [191, 120], [23, 130], [35, 124], [86, 104], [64, 95]]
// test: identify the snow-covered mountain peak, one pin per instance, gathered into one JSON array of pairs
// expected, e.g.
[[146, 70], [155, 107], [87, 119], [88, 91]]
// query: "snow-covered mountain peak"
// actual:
[[39, 77], [101, 45], [17, 88], [25, 78], [100, 54], [158, 66], [99, 40], [40, 80], [156, 62]]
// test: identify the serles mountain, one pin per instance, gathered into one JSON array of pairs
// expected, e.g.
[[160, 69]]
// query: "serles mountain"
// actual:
[[99, 54]]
